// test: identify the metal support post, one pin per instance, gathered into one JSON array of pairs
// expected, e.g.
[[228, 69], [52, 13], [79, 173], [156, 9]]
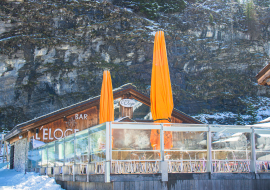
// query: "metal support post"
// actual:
[[64, 152], [89, 146], [209, 150], [2, 137], [161, 143], [75, 170], [74, 148], [253, 152], [47, 156], [65, 171], [42, 171], [163, 163], [41, 158], [108, 153], [54, 163], [49, 171], [56, 170], [88, 168]]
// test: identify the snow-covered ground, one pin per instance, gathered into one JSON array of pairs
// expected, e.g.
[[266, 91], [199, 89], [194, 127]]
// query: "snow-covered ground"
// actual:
[[10, 179], [259, 107]]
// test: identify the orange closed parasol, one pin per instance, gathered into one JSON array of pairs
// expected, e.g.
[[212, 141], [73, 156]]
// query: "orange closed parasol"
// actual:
[[161, 92], [106, 110]]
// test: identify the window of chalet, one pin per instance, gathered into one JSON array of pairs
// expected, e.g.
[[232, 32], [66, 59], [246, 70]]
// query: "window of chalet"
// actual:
[[117, 113], [141, 111]]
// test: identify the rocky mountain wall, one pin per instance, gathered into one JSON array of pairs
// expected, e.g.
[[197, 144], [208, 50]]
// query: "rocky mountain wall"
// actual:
[[52, 55]]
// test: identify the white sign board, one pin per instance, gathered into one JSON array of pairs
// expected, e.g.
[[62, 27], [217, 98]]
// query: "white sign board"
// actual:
[[127, 102]]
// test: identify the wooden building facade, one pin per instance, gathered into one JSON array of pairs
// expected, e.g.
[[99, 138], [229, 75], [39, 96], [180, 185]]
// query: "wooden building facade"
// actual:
[[130, 105]]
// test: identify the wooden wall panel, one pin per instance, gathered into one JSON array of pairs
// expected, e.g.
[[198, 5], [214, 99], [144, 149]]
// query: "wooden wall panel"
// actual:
[[125, 111], [176, 120], [67, 126], [16, 138]]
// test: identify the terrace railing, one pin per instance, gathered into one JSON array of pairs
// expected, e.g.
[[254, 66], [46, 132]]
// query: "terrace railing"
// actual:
[[126, 148]]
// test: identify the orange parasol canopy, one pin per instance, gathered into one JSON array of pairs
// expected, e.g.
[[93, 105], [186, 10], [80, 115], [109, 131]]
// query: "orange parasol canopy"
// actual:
[[106, 110], [161, 92]]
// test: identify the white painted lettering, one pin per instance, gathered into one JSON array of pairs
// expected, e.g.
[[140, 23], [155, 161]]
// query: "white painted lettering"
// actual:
[[56, 136], [44, 134], [50, 134], [76, 130], [81, 116], [127, 102], [67, 131], [37, 138]]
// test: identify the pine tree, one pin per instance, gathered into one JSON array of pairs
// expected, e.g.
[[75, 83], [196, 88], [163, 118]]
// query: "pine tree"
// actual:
[[239, 119], [252, 112], [251, 20]]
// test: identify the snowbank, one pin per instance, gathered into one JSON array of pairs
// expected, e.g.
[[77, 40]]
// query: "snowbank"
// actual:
[[10, 179]]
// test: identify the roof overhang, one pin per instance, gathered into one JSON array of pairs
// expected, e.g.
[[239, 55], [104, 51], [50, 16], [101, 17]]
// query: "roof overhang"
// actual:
[[91, 102], [263, 77]]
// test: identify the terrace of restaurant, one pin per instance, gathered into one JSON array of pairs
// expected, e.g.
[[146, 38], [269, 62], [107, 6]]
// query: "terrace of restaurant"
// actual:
[[117, 155]]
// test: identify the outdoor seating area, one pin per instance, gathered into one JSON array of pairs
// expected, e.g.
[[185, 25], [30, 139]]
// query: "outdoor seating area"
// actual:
[[125, 148]]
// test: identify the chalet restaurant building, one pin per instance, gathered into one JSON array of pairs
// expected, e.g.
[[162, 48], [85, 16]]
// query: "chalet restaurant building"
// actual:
[[130, 105]]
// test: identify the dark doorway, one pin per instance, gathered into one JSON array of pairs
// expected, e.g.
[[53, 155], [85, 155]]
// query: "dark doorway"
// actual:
[[12, 157]]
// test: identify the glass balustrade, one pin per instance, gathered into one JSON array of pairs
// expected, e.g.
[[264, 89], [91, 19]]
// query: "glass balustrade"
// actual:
[[59, 152], [141, 147], [262, 148], [133, 144], [81, 147], [39, 157], [44, 156], [231, 148], [97, 143], [51, 154], [69, 150]]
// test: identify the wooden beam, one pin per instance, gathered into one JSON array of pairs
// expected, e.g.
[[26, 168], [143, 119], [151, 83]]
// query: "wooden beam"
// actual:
[[263, 78], [16, 138]]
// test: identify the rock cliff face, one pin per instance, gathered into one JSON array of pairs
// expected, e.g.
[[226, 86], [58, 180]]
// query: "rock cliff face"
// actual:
[[52, 54]]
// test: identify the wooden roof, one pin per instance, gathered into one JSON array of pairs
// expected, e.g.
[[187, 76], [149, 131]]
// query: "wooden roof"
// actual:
[[263, 77], [127, 89]]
